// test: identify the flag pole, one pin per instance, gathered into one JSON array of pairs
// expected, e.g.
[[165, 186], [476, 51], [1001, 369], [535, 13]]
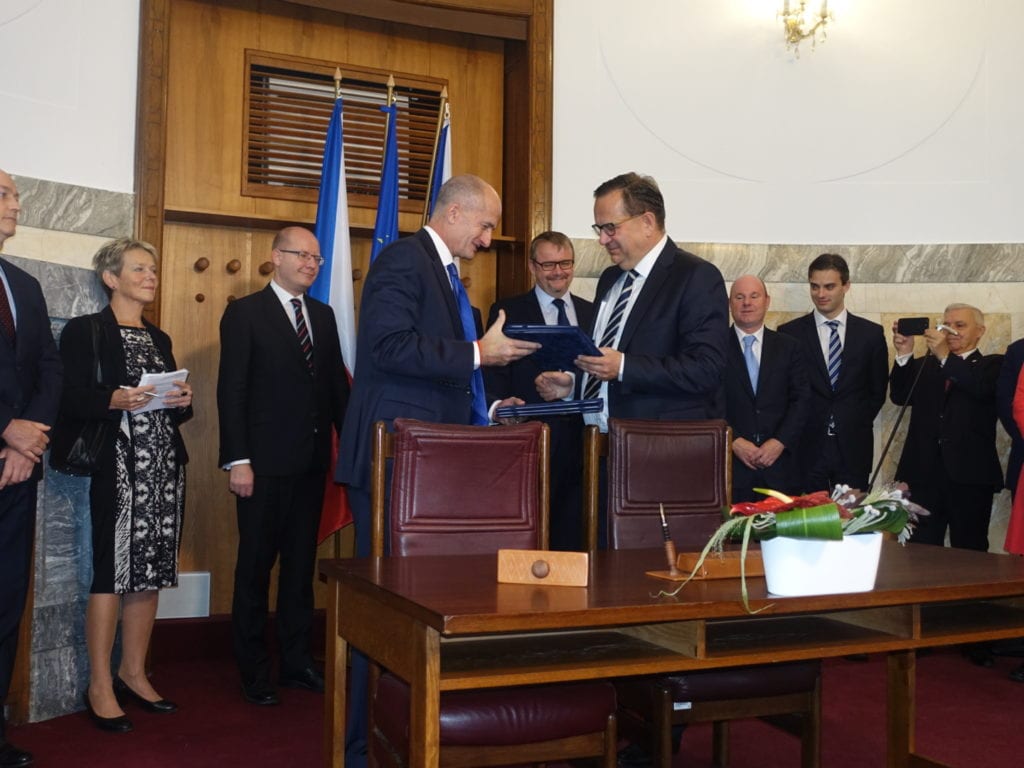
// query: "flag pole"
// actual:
[[337, 83], [442, 112], [390, 103]]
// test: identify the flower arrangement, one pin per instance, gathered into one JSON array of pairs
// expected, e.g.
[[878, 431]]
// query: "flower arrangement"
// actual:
[[819, 515]]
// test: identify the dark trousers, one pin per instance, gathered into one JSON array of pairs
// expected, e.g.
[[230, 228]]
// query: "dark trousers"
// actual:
[[279, 520], [965, 509], [17, 526], [829, 470], [565, 526]]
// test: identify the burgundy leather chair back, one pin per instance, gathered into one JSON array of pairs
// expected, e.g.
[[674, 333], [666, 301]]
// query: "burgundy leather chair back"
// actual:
[[468, 490], [685, 465]]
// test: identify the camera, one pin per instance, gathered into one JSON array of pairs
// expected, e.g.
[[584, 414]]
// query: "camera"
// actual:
[[912, 326]]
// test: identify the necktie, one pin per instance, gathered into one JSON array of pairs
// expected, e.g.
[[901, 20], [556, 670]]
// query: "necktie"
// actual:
[[303, 333], [748, 355], [835, 351], [476, 384], [6, 316], [563, 318], [611, 329]]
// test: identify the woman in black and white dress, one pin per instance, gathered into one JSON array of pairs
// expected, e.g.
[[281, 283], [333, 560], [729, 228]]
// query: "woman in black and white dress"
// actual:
[[137, 493]]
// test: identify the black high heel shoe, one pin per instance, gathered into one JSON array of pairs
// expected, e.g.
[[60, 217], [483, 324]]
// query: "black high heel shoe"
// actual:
[[119, 724], [159, 707]]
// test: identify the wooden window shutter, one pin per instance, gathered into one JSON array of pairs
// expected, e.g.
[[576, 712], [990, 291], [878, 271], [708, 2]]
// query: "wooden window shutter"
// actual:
[[288, 104]]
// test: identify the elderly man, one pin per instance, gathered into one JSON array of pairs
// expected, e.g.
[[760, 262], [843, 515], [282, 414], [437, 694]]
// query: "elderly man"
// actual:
[[846, 368], [30, 381], [281, 386], [766, 396], [552, 261], [949, 458]]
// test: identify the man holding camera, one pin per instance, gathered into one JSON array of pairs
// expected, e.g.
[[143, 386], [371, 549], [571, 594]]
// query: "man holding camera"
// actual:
[[949, 458]]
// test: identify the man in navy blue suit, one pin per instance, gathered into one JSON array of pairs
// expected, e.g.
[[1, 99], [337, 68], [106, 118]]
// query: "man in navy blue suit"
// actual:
[[30, 380], [552, 261], [847, 367], [766, 396], [413, 359]]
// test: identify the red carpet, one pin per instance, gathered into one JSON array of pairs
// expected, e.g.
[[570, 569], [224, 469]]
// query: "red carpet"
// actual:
[[968, 717]]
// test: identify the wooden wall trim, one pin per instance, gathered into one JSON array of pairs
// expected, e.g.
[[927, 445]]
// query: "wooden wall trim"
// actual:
[[151, 128], [507, 19], [541, 76]]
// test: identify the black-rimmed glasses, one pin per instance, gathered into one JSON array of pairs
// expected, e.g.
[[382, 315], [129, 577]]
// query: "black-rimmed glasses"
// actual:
[[305, 256], [548, 266], [611, 227]]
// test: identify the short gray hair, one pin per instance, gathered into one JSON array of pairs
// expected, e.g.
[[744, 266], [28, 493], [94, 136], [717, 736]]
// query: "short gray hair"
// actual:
[[110, 258], [979, 316]]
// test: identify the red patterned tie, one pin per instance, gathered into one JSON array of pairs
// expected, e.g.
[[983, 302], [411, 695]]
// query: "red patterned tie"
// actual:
[[6, 316]]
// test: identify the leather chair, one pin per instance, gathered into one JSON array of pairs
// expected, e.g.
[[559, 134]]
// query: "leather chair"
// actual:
[[463, 490], [686, 465]]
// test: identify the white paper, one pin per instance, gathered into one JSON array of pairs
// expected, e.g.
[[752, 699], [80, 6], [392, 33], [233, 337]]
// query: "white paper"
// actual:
[[164, 383]]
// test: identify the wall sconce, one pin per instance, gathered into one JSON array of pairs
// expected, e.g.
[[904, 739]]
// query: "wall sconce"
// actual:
[[799, 24]]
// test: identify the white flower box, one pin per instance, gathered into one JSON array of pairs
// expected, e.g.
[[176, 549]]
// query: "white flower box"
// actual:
[[794, 567]]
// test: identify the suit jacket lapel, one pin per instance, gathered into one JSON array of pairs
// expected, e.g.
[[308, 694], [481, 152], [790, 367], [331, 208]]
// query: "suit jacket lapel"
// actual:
[[533, 309], [653, 284], [444, 282], [282, 324], [810, 331]]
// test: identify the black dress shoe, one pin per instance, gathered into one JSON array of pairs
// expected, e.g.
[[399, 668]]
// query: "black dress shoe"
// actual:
[[309, 678], [159, 707], [261, 694], [12, 757], [119, 724]]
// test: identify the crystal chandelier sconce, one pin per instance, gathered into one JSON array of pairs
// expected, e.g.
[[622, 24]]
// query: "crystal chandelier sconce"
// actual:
[[800, 24]]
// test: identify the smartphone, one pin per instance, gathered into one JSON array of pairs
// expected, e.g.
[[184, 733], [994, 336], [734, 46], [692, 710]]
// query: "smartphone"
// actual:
[[912, 326]]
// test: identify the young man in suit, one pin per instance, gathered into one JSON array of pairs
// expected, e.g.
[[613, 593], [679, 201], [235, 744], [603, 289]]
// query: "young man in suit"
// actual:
[[661, 321], [282, 384], [766, 396], [552, 261], [847, 367], [949, 458], [415, 359], [30, 381]]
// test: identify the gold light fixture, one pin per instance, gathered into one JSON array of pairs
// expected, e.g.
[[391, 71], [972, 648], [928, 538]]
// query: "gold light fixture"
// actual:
[[799, 23]]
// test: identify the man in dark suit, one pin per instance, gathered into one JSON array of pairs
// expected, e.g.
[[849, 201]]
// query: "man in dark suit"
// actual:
[[847, 367], [949, 458], [281, 386], [30, 380], [1005, 389], [552, 262], [415, 359], [766, 396], [661, 321]]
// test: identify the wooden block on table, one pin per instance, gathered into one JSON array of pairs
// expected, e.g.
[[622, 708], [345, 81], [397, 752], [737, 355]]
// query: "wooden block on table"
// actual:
[[539, 566], [724, 565]]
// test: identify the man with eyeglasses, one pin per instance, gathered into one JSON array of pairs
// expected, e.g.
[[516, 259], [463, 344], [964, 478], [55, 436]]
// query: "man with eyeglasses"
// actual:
[[552, 262], [661, 321], [282, 385]]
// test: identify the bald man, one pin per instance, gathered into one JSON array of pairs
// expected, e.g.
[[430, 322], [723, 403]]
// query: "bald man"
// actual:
[[766, 396]]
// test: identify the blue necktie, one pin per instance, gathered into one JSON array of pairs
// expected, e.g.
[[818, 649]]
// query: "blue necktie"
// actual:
[[835, 351], [476, 384], [611, 329], [563, 318], [748, 355]]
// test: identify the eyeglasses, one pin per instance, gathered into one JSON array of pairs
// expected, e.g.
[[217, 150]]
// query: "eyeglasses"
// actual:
[[548, 266], [305, 256], [611, 227]]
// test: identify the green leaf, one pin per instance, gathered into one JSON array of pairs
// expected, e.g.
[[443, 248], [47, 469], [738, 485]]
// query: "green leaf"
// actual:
[[821, 522]]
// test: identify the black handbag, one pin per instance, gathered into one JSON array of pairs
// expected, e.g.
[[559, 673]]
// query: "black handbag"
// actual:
[[76, 444]]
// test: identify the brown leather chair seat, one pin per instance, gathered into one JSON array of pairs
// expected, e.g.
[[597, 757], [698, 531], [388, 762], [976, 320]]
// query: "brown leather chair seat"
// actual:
[[743, 682], [505, 716]]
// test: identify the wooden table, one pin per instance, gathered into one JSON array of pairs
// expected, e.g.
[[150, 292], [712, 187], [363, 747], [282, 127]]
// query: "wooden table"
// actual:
[[443, 623]]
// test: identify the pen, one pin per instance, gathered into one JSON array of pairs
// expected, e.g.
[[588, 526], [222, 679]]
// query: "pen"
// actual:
[[147, 394], [947, 329]]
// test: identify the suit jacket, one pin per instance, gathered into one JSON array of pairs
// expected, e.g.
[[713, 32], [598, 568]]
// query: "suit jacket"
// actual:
[[517, 378], [1005, 388], [411, 357], [271, 411], [778, 409], [952, 427], [30, 369], [857, 399], [674, 340], [82, 400]]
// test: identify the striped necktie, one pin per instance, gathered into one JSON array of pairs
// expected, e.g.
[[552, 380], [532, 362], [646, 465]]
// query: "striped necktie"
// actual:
[[611, 329], [303, 333], [835, 353]]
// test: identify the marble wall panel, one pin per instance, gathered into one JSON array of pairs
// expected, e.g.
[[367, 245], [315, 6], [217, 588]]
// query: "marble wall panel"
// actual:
[[68, 208]]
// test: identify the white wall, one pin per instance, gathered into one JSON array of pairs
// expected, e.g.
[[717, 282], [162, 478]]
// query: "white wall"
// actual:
[[902, 128], [68, 93]]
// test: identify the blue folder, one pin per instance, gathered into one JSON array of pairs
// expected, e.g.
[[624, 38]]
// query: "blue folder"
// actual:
[[560, 344], [554, 408]]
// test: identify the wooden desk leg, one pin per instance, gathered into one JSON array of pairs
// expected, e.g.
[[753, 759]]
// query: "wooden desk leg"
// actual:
[[902, 708], [425, 703], [335, 681]]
